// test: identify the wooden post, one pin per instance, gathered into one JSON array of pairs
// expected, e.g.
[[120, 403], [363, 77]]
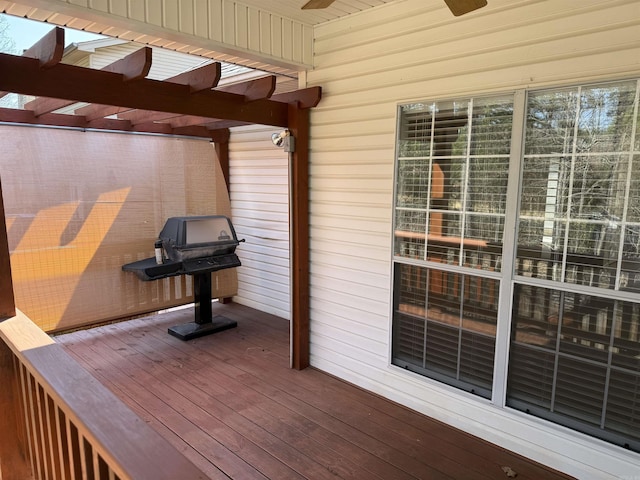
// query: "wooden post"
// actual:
[[7, 300], [220, 139], [14, 461], [299, 201]]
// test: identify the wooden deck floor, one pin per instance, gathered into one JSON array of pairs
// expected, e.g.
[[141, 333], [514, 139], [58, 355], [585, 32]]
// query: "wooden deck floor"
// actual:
[[230, 403]]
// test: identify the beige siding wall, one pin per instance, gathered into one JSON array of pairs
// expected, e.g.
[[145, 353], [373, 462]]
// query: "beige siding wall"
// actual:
[[414, 50], [260, 211]]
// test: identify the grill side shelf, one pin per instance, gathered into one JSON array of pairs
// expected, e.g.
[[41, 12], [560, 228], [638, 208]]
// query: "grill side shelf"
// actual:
[[148, 269]]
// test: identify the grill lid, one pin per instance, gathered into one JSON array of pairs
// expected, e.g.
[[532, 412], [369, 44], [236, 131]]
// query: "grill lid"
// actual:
[[186, 238]]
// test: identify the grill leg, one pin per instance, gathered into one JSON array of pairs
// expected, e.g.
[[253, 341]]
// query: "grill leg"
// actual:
[[202, 297], [204, 324]]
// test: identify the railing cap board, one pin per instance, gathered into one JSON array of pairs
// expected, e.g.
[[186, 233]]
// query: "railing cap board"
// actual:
[[128, 445]]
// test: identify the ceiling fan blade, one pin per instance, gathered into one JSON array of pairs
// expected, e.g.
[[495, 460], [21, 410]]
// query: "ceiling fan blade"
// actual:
[[460, 7], [317, 4]]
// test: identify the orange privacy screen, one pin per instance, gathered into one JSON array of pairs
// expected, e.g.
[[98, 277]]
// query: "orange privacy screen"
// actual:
[[79, 205]]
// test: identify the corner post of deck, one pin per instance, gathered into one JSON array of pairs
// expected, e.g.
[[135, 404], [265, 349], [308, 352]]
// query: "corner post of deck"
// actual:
[[14, 463], [299, 213], [14, 457]]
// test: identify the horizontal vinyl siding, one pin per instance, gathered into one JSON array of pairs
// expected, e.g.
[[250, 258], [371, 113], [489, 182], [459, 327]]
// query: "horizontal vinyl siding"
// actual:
[[410, 51], [260, 210]]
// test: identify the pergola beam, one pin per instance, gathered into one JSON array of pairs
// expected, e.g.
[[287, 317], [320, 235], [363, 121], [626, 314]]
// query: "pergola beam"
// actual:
[[9, 115], [199, 79], [23, 75], [251, 90]]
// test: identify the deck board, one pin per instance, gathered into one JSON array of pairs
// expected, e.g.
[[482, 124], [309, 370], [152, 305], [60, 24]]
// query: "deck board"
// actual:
[[232, 405]]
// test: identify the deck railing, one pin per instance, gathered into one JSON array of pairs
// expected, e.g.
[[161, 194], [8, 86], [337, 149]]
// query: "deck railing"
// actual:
[[58, 422]]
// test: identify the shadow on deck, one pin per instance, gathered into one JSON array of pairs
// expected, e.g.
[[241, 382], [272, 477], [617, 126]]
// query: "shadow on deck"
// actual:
[[233, 406]]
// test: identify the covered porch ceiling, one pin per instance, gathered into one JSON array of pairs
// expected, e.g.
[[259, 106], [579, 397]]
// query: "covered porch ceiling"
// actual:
[[62, 14], [270, 35], [37, 10]]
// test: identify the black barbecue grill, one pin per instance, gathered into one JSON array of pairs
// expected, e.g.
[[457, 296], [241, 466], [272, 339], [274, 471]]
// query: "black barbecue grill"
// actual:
[[194, 246]]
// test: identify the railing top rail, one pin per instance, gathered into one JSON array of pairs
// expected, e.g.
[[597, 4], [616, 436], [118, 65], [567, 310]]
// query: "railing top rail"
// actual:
[[127, 444]]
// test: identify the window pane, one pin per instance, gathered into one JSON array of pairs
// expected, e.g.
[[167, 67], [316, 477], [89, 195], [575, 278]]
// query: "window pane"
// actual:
[[476, 359], [408, 344], [414, 138], [487, 185], [449, 137], [491, 126], [605, 123], [626, 340], [480, 306], [578, 395], [483, 233], [623, 410], [409, 233], [445, 235], [575, 359], [551, 117], [585, 329], [531, 383], [535, 313], [545, 187], [413, 183], [540, 249], [599, 184], [445, 326], [578, 204]]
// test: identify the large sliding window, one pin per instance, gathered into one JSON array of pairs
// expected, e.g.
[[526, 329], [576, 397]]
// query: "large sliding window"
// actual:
[[574, 289]]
